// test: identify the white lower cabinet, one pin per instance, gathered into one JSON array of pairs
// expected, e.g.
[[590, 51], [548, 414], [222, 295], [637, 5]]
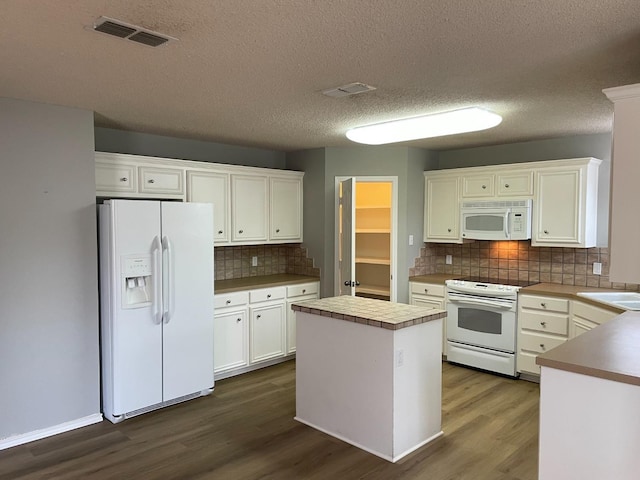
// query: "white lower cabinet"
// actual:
[[430, 295], [255, 328], [267, 332], [298, 293], [543, 325], [585, 317]]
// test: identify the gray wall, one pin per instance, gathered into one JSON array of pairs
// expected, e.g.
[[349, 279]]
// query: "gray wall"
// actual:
[[324, 165], [597, 145], [120, 141], [49, 356]]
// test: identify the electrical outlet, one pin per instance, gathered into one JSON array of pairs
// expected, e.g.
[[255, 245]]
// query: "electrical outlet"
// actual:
[[399, 358], [254, 261], [448, 259], [597, 268]]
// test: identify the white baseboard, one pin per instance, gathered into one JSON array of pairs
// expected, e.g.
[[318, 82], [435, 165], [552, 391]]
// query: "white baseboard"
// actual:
[[50, 431]]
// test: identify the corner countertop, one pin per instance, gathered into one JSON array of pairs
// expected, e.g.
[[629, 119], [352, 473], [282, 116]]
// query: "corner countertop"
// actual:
[[377, 313], [264, 281], [611, 351]]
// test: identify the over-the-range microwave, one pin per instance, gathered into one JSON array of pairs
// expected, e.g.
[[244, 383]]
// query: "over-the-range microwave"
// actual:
[[498, 220]]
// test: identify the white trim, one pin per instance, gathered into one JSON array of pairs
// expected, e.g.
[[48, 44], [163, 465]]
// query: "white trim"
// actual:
[[394, 229], [50, 431], [624, 92], [416, 447]]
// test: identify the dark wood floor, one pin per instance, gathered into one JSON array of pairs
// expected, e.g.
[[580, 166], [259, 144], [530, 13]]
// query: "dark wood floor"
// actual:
[[245, 430]]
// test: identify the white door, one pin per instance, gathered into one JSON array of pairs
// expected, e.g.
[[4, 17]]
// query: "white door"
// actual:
[[209, 187], [347, 243], [187, 340], [137, 337], [230, 340], [249, 208], [286, 209]]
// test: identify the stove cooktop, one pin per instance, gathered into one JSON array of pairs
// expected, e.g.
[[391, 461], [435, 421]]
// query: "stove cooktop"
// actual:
[[495, 281]]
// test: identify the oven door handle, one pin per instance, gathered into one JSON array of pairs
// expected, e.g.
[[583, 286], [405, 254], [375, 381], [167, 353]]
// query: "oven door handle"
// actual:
[[481, 301]]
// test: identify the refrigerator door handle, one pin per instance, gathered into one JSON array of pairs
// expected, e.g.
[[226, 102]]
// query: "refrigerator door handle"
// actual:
[[167, 279], [157, 281]]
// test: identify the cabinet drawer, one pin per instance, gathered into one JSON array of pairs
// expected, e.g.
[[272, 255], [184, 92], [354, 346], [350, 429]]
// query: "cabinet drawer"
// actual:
[[427, 289], [222, 300], [511, 184], [302, 289], [548, 304], [267, 294], [161, 180], [115, 178], [538, 343], [478, 186], [544, 322], [526, 362], [594, 314]]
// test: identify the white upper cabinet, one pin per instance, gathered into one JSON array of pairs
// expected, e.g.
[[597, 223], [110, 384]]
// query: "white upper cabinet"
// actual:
[[478, 185], [286, 209], [565, 204], [442, 209], [212, 187], [625, 194], [252, 205], [249, 208], [514, 184]]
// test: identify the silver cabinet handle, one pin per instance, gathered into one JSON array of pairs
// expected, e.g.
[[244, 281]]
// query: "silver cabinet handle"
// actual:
[[544, 324], [123, 179], [277, 230], [240, 231], [484, 186], [258, 316], [228, 302], [546, 232], [304, 290], [268, 295], [219, 232], [426, 290], [151, 180], [448, 230], [542, 346], [506, 185], [238, 320], [543, 305]]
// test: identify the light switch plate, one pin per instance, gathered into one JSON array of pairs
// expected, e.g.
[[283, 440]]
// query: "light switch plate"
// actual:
[[410, 239], [254, 261]]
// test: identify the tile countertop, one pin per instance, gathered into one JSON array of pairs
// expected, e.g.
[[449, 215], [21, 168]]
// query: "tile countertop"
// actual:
[[611, 351], [265, 281], [377, 313]]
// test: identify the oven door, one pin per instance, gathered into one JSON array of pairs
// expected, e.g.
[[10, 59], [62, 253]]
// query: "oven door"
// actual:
[[481, 321]]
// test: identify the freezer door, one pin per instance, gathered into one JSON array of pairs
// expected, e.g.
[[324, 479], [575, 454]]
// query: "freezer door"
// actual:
[[133, 337], [187, 340]]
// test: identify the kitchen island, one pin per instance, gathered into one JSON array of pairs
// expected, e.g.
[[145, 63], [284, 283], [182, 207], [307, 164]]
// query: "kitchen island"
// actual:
[[589, 398], [369, 372]]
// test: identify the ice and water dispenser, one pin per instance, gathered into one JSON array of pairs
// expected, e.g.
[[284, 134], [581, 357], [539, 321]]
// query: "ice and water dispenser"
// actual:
[[137, 285]]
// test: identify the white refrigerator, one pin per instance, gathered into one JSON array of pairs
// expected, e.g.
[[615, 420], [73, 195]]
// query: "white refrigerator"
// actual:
[[156, 304]]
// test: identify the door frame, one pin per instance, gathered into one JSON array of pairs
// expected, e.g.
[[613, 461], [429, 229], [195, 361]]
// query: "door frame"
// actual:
[[393, 268]]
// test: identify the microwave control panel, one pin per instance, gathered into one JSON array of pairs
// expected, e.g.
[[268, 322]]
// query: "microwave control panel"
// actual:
[[517, 223]]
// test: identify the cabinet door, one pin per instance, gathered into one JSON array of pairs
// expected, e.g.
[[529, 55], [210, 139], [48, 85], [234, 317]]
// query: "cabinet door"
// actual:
[[291, 322], [424, 301], [515, 184], [286, 209], [211, 187], [559, 213], [230, 340], [115, 177], [267, 332], [249, 211], [442, 212], [478, 185], [156, 180]]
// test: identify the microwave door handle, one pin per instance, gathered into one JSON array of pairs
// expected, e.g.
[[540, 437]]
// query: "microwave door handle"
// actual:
[[507, 222]]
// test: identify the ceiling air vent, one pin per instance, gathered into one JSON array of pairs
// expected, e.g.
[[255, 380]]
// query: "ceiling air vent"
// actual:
[[349, 89], [130, 32]]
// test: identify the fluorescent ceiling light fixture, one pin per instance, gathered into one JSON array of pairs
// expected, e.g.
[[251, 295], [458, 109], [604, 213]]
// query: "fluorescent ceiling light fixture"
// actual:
[[426, 126]]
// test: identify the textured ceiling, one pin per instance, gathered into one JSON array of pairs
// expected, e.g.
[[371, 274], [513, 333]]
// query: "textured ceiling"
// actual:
[[250, 72]]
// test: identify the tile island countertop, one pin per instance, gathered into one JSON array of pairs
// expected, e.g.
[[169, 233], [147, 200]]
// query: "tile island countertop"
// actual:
[[377, 313]]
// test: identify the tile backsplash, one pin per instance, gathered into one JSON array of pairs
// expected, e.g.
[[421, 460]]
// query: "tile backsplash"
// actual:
[[235, 262], [510, 260]]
